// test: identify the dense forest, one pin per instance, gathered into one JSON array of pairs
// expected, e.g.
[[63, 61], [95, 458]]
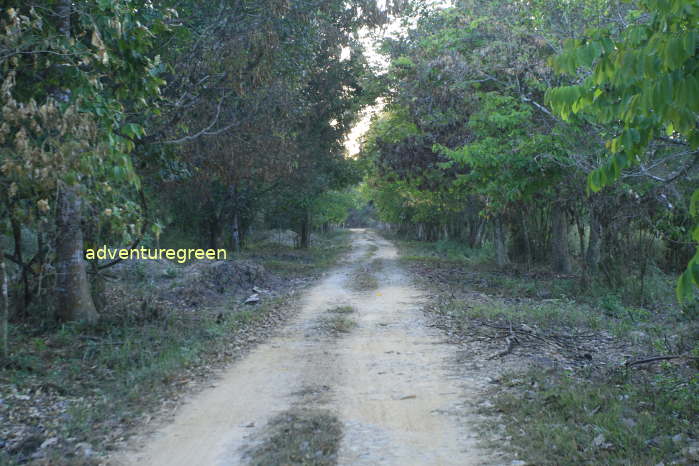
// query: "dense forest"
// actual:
[[122, 121], [540, 138], [505, 120]]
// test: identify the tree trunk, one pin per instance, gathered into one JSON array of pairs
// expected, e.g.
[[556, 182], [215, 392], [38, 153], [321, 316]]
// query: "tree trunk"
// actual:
[[22, 303], [5, 310], [235, 226], [98, 286], [559, 240], [526, 242], [501, 258], [305, 237], [74, 300], [215, 232], [63, 11], [475, 233], [235, 233], [581, 235], [593, 252]]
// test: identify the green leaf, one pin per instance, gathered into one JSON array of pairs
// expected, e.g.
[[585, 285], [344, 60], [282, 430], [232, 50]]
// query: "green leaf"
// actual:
[[594, 181], [685, 287], [693, 269], [133, 130], [694, 203]]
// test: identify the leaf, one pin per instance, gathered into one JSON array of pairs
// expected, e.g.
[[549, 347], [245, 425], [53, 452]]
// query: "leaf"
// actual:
[[684, 287], [133, 130], [694, 203], [594, 180], [694, 272]]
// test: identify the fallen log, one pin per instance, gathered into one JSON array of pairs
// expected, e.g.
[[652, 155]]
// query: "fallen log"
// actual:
[[659, 358]]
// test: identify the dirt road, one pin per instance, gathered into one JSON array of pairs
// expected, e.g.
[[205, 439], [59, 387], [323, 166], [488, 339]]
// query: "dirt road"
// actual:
[[390, 379]]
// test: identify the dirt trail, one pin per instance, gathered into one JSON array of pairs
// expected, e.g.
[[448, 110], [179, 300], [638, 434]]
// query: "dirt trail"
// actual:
[[392, 380]]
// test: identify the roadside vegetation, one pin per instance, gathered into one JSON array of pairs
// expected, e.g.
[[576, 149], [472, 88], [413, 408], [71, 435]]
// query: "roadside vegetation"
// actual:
[[579, 382], [540, 161], [73, 392], [166, 124], [289, 261]]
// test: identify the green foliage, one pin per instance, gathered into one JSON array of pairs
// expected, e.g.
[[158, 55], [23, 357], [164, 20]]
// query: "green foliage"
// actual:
[[643, 79], [502, 161], [445, 251], [332, 207], [461, 137], [77, 126]]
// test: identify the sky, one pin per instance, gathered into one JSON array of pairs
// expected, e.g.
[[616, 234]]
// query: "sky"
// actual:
[[353, 141]]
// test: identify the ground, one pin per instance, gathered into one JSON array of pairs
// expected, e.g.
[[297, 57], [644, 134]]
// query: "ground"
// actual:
[[360, 360], [363, 351]]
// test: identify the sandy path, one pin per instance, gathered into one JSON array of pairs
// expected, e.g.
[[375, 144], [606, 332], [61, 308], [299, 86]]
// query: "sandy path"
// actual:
[[392, 381]]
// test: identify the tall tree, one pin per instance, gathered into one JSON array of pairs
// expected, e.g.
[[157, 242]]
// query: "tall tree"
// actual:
[[642, 82], [74, 300]]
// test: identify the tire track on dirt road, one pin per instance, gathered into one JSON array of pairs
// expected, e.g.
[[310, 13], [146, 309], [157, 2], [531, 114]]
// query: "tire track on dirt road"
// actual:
[[392, 381]]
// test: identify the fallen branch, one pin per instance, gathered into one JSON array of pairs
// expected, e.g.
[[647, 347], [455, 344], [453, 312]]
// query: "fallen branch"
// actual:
[[659, 358], [511, 342]]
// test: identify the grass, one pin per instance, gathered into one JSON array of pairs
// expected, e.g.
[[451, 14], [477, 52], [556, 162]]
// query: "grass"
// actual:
[[619, 417], [342, 310], [445, 250], [104, 378], [592, 414], [543, 314], [288, 261], [305, 437], [363, 280], [112, 373], [336, 320], [371, 250], [337, 324]]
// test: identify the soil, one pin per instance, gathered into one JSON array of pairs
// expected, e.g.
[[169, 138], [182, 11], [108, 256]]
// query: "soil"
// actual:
[[398, 388]]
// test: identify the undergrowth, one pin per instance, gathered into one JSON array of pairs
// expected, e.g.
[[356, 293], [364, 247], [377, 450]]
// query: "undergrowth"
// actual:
[[110, 374], [645, 414], [95, 381], [624, 417], [288, 261]]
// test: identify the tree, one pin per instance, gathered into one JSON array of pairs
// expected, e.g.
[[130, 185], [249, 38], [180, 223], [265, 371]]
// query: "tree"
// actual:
[[260, 102], [643, 82], [69, 90]]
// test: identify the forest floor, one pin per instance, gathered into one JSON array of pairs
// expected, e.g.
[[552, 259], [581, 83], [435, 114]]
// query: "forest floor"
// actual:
[[578, 376], [362, 351], [71, 394], [358, 377]]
